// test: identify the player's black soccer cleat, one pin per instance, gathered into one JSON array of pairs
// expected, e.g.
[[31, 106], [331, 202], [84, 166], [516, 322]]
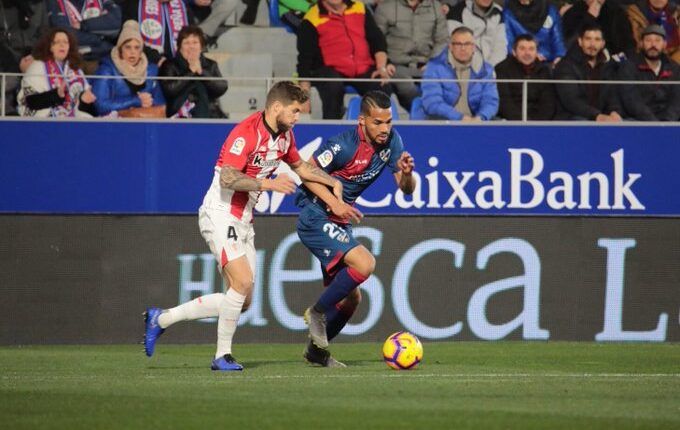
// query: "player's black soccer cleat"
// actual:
[[315, 355]]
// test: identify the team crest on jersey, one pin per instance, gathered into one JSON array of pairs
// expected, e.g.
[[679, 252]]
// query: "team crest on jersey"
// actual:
[[237, 146], [325, 158], [385, 154]]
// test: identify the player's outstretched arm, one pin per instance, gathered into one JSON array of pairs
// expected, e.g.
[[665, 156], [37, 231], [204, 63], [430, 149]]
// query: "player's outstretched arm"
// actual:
[[238, 181], [310, 172], [404, 176]]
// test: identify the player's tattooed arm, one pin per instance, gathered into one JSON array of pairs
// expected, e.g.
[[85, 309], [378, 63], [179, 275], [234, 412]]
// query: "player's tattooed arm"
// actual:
[[238, 181], [310, 172]]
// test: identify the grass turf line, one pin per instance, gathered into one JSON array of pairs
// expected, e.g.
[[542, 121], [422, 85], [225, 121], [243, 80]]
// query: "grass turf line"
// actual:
[[461, 385]]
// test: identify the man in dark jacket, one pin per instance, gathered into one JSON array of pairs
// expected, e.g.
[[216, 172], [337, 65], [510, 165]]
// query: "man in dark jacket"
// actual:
[[523, 64], [585, 62], [652, 102], [340, 39], [607, 14]]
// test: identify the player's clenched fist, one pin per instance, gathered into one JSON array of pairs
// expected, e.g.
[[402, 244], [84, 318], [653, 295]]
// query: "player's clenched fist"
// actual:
[[406, 163]]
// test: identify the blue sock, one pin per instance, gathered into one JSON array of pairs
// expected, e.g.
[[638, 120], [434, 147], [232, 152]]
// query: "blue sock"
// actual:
[[345, 281], [336, 320]]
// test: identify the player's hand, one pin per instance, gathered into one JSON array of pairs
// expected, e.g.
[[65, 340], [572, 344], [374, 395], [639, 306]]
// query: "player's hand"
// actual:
[[345, 211], [406, 163], [282, 184], [337, 190]]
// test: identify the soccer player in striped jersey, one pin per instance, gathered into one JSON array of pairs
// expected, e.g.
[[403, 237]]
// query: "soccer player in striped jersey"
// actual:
[[249, 156]]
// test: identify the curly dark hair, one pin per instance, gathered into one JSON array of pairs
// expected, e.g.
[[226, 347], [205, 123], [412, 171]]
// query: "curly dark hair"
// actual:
[[42, 52], [190, 30]]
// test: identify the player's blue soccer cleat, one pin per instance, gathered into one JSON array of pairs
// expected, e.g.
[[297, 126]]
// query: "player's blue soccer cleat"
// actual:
[[226, 363], [153, 331]]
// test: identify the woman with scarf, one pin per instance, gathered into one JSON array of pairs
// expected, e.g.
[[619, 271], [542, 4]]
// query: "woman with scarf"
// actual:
[[137, 89], [662, 12], [541, 20], [54, 85], [192, 98]]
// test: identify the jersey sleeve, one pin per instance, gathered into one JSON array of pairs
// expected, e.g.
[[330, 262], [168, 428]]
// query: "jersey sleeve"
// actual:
[[292, 156], [236, 149], [329, 155], [397, 148]]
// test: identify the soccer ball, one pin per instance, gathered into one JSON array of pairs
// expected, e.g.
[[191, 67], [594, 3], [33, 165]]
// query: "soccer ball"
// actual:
[[402, 351]]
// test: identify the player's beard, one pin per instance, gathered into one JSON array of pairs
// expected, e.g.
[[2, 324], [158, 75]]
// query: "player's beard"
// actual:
[[283, 126]]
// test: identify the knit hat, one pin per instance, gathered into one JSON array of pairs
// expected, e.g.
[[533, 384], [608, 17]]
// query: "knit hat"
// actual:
[[129, 31], [654, 29]]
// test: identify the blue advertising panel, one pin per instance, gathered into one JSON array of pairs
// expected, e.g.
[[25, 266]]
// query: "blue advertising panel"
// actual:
[[137, 167]]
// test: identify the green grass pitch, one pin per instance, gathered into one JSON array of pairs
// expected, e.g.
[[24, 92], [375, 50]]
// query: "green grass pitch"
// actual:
[[460, 385]]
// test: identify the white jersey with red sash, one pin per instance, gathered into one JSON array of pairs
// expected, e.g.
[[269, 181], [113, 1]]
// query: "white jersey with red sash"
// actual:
[[90, 9], [75, 85], [250, 149], [155, 17]]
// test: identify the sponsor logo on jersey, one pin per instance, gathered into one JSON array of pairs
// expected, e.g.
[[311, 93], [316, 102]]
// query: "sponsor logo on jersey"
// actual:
[[325, 158], [336, 148], [385, 154], [261, 162], [237, 146]]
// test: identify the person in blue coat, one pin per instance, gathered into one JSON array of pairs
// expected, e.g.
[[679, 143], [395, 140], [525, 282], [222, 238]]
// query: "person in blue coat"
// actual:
[[540, 19], [462, 100], [135, 86]]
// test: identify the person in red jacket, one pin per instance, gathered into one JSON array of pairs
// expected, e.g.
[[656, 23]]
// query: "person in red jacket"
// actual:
[[340, 39]]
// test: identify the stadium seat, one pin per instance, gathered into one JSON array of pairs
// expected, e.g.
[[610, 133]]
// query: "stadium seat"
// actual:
[[417, 110], [354, 107], [274, 18]]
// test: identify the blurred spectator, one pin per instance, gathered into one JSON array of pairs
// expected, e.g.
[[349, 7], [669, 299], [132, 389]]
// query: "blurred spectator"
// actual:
[[191, 98], [485, 18], [661, 12], [652, 102], [524, 64], [94, 22], [293, 11], [607, 14], [340, 39], [250, 14], [213, 15], [54, 85], [137, 88], [585, 62], [21, 24], [160, 22], [415, 31], [463, 100], [540, 19]]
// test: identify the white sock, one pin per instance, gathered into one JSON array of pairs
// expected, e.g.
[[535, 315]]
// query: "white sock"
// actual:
[[200, 307], [230, 310]]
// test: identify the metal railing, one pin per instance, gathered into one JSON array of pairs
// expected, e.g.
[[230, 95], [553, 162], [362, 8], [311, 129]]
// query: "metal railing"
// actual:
[[269, 81]]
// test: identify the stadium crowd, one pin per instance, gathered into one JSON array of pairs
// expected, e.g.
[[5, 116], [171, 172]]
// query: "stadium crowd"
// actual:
[[461, 49]]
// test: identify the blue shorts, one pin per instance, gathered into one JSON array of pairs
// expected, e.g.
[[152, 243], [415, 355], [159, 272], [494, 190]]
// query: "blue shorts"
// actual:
[[327, 240]]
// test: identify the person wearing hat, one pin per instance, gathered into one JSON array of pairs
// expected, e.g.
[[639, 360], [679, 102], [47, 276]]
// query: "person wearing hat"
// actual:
[[657, 102], [134, 85], [665, 13]]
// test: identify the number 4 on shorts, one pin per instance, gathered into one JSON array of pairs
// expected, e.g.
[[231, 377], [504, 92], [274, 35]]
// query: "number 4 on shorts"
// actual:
[[231, 233]]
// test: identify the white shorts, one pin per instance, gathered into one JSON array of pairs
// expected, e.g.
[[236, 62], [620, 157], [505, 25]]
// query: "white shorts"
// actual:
[[227, 237]]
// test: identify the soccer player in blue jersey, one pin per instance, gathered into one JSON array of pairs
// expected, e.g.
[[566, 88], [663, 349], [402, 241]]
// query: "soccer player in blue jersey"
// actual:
[[356, 158]]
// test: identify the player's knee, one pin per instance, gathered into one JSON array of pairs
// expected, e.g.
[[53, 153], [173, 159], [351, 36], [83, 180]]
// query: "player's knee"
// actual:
[[243, 286], [367, 266]]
